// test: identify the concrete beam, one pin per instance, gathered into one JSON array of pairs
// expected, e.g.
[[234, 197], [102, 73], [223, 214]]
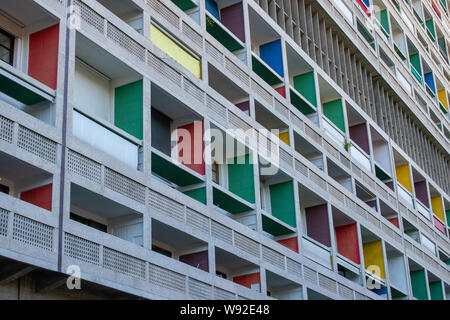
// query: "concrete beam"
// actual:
[[47, 283], [11, 271]]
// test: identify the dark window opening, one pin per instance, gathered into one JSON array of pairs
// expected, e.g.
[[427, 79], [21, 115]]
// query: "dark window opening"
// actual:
[[6, 47], [88, 222]]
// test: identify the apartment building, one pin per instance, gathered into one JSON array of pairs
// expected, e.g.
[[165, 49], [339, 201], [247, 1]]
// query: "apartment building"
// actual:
[[95, 94]]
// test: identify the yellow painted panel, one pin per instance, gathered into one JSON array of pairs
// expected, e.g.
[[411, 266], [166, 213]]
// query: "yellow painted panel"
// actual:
[[284, 136], [373, 256], [176, 52], [443, 98], [404, 177], [436, 205]]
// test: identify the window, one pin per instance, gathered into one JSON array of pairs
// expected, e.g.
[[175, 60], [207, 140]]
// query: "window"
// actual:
[[6, 47], [162, 251], [88, 222]]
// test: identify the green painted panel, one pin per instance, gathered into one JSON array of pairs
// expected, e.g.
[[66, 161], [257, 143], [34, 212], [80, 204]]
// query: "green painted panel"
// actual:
[[414, 59], [274, 228], [18, 92], [282, 202], [266, 74], [419, 285], [333, 111], [396, 294], [430, 27], [224, 201], [447, 213], [381, 174], [221, 35], [382, 16], [365, 34], [300, 104], [305, 84], [197, 194], [184, 4], [240, 178], [169, 171], [436, 291], [128, 114]]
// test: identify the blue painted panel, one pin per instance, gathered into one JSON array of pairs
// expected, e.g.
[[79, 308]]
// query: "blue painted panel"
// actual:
[[380, 292], [271, 54], [430, 81], [366, 2], [211, 7]]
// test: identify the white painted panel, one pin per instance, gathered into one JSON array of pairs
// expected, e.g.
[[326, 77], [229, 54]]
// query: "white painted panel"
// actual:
[[316, 253], [92, 92], [382, 156], [405, 195], [423, 210], [428, 244], [403, 82], [109, 142], [397, 272], [333, 133], [360, 157]]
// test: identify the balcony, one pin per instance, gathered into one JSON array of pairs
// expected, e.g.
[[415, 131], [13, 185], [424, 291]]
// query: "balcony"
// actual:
[[225, 22], [278, 205], [108, 103], [28, 77], [177, 145], [103, 214]]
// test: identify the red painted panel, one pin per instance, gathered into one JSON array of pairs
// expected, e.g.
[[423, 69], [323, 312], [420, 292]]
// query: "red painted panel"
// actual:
[[439, 225], [363, 6], [394, 221], [41, 197], [43, 56], [282, 91], [232, 17], [435, 8], [191, 150], [347, 242], [291, 243], [248, 279], [244, 106]]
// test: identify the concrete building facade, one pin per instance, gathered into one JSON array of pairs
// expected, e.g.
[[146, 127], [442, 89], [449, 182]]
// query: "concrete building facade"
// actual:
[[107, 112]]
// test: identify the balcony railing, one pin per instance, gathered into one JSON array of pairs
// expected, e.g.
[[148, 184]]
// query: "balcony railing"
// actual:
[[105, 139]]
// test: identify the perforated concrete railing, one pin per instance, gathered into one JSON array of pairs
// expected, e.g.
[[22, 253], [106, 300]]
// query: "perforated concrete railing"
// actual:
[[123, 263], [266, 96], [199, 290], [219, 111], [100, 255], [4, 222], [6, 129], [36, 144], [32, 232], [166, 278], [196, 220], [81, 249]]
